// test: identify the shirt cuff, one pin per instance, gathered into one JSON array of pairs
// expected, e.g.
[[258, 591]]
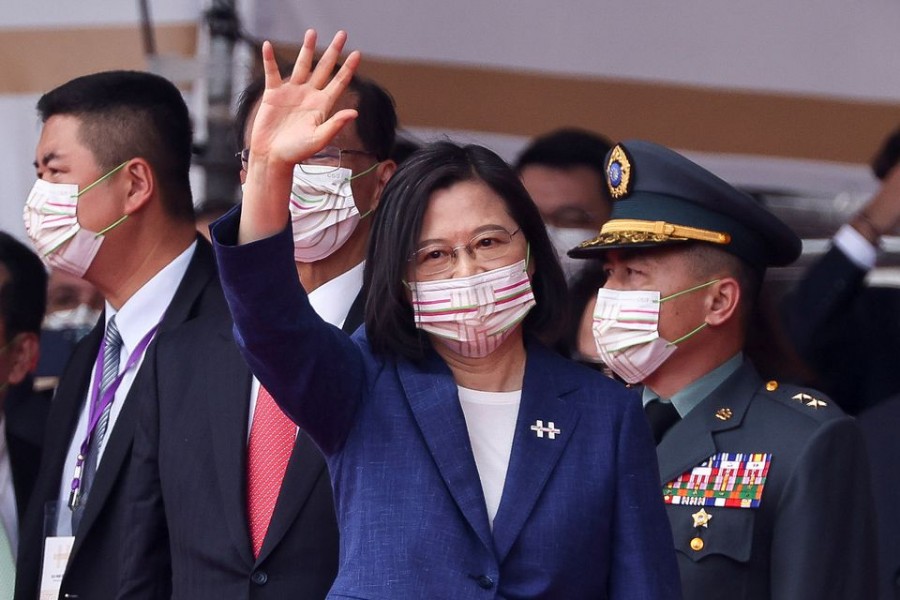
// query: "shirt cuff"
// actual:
[[855, 247]]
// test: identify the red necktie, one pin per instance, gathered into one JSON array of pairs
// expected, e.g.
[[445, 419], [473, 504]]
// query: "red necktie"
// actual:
[[272, 437]]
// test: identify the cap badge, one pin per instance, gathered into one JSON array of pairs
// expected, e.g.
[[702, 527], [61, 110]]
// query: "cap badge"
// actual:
[[618, 173]]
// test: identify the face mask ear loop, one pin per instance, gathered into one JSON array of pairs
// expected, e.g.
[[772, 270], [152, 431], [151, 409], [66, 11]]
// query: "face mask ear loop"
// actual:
[[527, 254], [686, 336], [102, 179], [116, 224], [366, 214], [366, 172], [689, 290]]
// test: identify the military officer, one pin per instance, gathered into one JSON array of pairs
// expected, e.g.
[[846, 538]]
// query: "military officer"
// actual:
[[766, 484]]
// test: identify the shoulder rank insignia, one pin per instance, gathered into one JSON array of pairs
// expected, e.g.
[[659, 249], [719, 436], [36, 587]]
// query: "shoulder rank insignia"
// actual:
[[734, 480], [808, 400]]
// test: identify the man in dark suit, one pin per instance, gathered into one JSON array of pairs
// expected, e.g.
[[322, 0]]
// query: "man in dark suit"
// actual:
[[23, 298], [766, 484], [847, 330], [113, 205], [198, 529]]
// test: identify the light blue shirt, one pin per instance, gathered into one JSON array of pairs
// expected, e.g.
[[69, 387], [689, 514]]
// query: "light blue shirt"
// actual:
[[688, 398]]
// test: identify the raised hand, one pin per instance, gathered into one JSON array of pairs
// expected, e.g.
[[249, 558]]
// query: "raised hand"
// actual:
[[292, 124]]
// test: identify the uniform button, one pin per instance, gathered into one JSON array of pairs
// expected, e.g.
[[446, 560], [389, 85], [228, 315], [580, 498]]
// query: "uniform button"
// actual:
[[259, 577], [484, 582], [696, 544]]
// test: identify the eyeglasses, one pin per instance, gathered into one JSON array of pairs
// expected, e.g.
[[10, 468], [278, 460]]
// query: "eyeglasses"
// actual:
[[485, 247], [329, 156]]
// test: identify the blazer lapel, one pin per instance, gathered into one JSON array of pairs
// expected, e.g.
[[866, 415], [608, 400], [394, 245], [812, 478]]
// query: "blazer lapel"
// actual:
[[228, 395], [433, 398], [691, 441], [197, 277], [534, 453]]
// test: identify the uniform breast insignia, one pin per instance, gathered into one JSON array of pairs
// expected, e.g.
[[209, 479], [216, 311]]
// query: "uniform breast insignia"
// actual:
[[808, 400], [734, 480]]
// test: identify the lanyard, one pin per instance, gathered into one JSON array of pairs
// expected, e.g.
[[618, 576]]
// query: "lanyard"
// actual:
[[99, 403]]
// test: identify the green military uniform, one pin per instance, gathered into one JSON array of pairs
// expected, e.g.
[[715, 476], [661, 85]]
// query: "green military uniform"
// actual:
[[766, 484]]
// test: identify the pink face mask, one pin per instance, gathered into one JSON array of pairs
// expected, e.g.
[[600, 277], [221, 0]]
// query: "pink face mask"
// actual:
[[473, 315], [626, 331]]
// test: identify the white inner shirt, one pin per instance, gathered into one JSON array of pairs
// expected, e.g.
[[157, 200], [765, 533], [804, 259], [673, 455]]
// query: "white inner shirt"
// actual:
[[331, 301], [491, 421], [134, 319]]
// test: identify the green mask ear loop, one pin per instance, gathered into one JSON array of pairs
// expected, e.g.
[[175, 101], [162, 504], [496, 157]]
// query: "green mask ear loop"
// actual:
[[687, 335], [102, 179], [681, 293], [366, 172], [527, 254], [98, 182], [118, 222], [689, 290]]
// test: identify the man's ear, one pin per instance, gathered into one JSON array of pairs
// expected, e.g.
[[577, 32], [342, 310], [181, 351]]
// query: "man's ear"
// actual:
[[722, 301], [140, 183], [24, 351], [383, 173]]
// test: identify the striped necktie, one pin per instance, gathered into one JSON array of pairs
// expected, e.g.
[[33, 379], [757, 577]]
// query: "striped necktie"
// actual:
[[112, 349]]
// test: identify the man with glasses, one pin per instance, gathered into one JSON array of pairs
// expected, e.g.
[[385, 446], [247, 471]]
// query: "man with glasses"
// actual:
[[241, 506]]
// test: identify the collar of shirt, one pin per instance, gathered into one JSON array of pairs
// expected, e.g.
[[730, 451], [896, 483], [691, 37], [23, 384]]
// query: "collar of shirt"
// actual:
[[146, 307], [332, 300], [686, 399]]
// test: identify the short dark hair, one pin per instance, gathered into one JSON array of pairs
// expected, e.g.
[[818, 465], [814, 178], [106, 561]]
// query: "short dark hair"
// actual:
[[130, 114], [23, 296], [398, 222], [888, 155], [707, 259], [565, 149], [376, 123]]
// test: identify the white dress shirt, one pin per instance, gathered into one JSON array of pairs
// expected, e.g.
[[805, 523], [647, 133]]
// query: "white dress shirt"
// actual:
[[135, 319], [855, 247]]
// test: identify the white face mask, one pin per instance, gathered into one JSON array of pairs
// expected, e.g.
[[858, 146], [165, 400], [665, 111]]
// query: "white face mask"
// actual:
[[82, 317], [323, 211], [563, 240], [51, 222], [626, 331], [473, 315]]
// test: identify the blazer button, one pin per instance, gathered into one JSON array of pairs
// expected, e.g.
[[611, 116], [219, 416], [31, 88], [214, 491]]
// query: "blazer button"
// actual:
[[259, 577], [484, 582]]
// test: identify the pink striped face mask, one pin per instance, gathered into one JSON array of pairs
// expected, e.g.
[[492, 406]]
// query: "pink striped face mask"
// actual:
[[626, 331], [473, 315]]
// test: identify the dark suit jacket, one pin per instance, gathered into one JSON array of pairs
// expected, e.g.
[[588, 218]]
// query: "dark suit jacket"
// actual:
[[849, 333], [26, 416], [813, 535], [94, 566], [190, 538], [581, 514], [879, 427]]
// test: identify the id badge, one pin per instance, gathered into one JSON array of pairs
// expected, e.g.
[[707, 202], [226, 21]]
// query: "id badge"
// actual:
[[56, 557]]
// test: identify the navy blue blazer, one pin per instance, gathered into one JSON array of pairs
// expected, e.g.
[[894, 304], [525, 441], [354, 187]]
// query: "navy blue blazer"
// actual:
[[581, 514]]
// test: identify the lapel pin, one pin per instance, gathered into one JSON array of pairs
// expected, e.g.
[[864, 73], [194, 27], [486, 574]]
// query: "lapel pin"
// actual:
[[723, 414], [540, 430]]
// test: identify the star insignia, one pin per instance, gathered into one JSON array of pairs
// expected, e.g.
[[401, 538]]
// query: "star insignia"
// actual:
[[701, 518], [808, 400]]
